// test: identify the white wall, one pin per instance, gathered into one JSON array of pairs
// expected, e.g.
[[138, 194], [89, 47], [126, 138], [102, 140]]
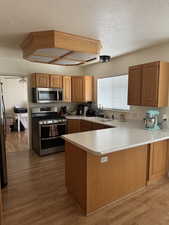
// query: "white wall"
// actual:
[[15, 93], [120, 65]]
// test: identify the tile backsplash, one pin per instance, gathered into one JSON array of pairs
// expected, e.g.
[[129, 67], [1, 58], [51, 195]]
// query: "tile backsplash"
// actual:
[[135, 112]]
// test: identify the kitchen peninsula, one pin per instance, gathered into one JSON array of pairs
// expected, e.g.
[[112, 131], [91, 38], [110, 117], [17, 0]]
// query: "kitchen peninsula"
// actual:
[[105, 165]]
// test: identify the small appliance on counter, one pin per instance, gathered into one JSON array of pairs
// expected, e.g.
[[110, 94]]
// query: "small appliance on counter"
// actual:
[[152, 120], [80, 110], [63, 111], [91, 111]]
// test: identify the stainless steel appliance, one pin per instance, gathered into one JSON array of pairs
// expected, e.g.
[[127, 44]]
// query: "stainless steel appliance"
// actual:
[[3, 162], [47, 95], [152, 120], [47, 128]]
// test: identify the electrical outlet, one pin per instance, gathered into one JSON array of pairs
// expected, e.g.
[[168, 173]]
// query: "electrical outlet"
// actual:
[[104, 159]]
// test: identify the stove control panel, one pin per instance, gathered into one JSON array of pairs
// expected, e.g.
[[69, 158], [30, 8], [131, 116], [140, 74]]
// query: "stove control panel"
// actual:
[[52, 121]]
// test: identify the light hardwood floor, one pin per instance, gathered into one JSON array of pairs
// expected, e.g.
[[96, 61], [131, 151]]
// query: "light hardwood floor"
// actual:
[[17, 141], [36, 195]]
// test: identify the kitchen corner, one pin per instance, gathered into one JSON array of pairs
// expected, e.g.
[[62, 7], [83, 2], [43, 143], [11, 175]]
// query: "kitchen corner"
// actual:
[[113, 162]]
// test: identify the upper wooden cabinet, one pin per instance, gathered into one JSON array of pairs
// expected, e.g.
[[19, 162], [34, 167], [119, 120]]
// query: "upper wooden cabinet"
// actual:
[[56, 81], [67, 88], [149, 84], [82, 88], [40, 80], [134, 85], [75, 88]]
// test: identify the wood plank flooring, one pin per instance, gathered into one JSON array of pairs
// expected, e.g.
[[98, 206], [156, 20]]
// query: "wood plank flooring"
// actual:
[[17, 141], [36, 195]]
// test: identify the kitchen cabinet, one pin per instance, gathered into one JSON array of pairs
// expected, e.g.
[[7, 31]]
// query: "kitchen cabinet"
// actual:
[[149, 84], [134, 85], [73, 126], [158, 160], [86, 125], [82, 88], [56, 81], [98, 126], [67, 88], [40, 80], [98, 183], [77, 125], [75, 88]]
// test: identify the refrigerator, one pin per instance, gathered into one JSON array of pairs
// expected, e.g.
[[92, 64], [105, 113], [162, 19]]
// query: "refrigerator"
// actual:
[[3, 161]]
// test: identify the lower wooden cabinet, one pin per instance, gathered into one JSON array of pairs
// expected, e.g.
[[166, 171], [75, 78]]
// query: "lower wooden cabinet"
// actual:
[[101, 183], [86, 125], [98, 126], [124, 172], [158, 160], [73, 126], [77, 125]]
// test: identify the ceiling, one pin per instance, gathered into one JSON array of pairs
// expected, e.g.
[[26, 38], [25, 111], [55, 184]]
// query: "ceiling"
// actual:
[[122, 26]]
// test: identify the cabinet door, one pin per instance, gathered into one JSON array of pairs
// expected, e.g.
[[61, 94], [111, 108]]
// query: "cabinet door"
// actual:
[[56, 81], [88, 91], [42, 80], [77, 89], [85, 125], [67, 88], [150, 83], [98, 126], [158, 160], [73, 126], [134, 85]]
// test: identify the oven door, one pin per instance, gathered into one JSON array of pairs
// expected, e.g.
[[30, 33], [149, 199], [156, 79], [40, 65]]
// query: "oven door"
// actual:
[[50, 135]]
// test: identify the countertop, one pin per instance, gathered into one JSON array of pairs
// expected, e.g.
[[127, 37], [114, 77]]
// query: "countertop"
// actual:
[[123, 136]]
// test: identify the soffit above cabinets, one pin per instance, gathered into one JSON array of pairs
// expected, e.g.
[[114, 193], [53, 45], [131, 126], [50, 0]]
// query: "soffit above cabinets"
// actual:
[[59, 48]]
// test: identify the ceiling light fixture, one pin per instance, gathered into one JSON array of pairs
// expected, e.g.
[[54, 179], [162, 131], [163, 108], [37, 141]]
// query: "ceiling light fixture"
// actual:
[[105, 58]]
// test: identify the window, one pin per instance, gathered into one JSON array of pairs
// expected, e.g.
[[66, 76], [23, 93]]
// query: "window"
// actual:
[[112, 92]]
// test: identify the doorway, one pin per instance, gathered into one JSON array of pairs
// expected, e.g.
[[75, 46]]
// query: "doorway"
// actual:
[[15, 94]]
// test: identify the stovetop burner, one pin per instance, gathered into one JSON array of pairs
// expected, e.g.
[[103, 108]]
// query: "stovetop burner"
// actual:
[[47, 115]]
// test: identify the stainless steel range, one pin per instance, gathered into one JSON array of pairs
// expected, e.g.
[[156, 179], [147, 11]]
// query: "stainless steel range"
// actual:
[[47, 128]]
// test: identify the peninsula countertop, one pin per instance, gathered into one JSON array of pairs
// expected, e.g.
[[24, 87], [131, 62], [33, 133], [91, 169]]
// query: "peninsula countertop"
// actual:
[[122, 136]]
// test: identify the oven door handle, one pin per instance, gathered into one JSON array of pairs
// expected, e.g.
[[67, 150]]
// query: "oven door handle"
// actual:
[[48, 125]]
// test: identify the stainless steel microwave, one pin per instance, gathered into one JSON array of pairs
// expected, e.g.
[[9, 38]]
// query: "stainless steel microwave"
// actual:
[[47, 95]]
